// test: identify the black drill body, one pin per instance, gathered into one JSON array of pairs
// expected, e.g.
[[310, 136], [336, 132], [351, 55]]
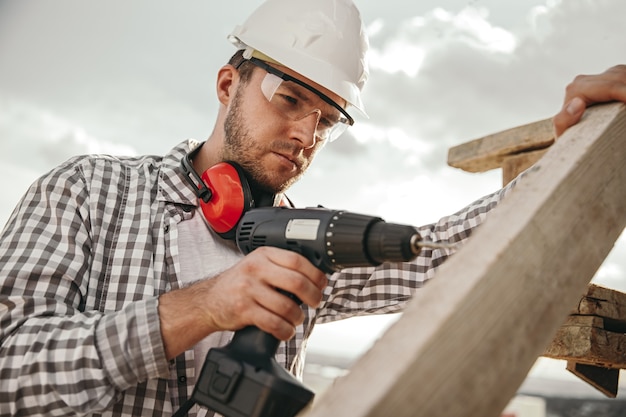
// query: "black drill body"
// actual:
[[330, 239], [243, 379]]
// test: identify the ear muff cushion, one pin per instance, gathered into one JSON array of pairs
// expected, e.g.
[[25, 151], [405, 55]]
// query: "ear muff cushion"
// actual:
[[231, 197]]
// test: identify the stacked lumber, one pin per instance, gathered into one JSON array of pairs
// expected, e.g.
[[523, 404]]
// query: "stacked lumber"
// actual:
[[593, 339]]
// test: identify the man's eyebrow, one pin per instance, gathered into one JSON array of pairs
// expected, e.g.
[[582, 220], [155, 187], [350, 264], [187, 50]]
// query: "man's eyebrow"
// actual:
[[310, 97], [301, 92]]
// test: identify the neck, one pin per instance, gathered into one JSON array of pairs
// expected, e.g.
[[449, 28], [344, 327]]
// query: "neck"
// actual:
[[207, 156], [262, 199]]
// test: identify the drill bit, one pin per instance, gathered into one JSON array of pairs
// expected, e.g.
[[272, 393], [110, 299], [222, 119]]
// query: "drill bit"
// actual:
[[417, 244], [435, 245]]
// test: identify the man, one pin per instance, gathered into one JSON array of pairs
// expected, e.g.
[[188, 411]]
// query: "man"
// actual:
[[113, 285]]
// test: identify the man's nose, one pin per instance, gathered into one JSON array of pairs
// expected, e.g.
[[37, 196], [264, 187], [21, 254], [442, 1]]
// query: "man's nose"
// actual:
[[307, 128]]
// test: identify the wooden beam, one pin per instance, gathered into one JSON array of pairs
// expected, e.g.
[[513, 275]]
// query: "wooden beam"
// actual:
[[467, 340], [593, 339], [588, 340], [514, 165], [487, 153], [604, 302]]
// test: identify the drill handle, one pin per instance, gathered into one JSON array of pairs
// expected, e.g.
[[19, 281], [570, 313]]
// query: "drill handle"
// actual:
[[290, 295], [252, 342]]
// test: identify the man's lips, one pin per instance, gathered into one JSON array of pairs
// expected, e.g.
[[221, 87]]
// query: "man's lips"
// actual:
[[289, 159]]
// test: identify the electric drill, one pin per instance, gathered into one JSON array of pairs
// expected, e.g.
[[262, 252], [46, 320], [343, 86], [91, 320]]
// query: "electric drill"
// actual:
[[243, 379]]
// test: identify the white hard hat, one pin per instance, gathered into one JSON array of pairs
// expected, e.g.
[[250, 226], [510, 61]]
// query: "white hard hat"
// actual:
[[323, 40]]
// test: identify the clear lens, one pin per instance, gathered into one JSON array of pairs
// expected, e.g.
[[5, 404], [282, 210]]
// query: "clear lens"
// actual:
[[296, 102]]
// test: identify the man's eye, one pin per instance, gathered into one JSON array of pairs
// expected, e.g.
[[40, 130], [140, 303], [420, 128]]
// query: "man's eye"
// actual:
[[289, 99], [326, 122]]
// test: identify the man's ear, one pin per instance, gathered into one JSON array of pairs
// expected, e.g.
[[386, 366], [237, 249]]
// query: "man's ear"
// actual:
[[227, 79]]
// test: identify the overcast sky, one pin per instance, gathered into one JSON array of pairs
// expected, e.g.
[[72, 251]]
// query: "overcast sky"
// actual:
[[138, 77]]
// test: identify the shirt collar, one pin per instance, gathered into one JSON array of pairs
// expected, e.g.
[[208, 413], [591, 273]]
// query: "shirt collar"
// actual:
[[173, 186]]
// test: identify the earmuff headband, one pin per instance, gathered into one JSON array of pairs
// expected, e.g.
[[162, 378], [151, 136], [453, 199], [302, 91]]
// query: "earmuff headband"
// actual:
[[223, 193], [202, 191]]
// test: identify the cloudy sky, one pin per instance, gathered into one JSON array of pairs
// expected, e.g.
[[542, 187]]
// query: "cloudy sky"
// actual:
[[138, 77]]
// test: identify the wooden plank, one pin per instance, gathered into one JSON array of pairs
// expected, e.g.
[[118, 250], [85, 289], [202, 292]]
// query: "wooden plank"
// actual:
[[585, 339], [514, 165], [604, 302], [593, 345], [486, 153], [467, 340]]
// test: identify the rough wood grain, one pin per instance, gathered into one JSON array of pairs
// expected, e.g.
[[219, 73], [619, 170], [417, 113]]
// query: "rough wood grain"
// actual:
[[585, 339], [488, 152], [604, 302], [594, 335], [468, 339], [514, 165]]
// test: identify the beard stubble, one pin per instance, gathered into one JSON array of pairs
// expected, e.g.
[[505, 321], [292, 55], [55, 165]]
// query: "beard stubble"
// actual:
[[240, 147]]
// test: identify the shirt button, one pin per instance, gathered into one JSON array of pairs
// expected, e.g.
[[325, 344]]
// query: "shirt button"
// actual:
[[166, 228], [182, 379]]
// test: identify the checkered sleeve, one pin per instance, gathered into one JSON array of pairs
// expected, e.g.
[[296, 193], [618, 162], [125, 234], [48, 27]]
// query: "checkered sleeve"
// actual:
[[388, 287], [58, 357]]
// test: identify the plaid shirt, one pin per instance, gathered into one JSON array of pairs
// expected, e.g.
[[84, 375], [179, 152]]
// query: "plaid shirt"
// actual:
[[83, 260]]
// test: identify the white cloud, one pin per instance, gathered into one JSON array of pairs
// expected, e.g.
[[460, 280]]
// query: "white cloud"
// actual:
[[398, 56], [38, 137], [472, 25], [405, 50], [34, 140]]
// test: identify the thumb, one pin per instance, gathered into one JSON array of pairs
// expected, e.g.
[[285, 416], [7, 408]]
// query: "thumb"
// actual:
[[569, 115]]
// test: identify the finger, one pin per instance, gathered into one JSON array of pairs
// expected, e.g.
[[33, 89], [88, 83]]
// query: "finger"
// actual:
[[244, 302], [569, 115], [295, 287], [298, 263], [296, 284], [287, 271], [274, 325], [587, 90], [300, 287], [281, 305], [599, 88]]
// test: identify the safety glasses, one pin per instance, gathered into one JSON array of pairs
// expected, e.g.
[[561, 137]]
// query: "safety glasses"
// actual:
[[296, 99]]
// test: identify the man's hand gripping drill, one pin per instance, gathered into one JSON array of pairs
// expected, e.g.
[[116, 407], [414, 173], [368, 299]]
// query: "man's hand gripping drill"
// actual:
[[243, 379]]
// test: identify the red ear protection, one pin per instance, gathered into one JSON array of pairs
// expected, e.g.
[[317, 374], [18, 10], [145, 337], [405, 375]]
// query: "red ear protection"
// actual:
[[231, 197], [224, 194]]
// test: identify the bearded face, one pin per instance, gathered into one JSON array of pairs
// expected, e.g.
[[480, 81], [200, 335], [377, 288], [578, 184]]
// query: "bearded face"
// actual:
[[253, 149]]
